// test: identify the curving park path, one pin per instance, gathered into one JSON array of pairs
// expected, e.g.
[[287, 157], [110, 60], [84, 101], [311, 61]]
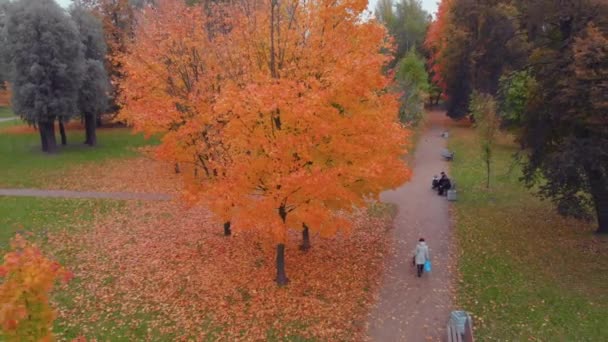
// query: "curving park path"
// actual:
[[85, 194], [411, 308]]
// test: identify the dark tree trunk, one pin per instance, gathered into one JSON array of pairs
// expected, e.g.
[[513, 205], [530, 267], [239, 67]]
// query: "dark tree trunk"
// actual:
[[176, 168], [98, 121], [281, 276], [49, 135], [64, 139], [600, 197], [89, 126], [227, 231], [488, 173], [43, 141], [305, 238]]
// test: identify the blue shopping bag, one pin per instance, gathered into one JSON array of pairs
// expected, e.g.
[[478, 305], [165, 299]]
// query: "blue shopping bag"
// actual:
[[427, 266]]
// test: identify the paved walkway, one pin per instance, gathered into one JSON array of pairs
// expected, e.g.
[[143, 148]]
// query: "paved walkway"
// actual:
[[8, 119], [84, 194], [411, 308]]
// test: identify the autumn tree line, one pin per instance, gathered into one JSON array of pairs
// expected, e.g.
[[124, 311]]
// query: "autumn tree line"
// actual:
[[540, 69]]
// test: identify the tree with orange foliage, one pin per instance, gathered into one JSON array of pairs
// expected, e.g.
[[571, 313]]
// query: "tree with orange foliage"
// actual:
[[284, 109], [436, 43], [28, 277]]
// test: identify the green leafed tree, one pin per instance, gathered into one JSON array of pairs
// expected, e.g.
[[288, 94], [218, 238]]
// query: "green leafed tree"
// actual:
[[406, 21], [412, 80], [45, 56], [487, 125], [565, 123], [93, 93], [515, 90]]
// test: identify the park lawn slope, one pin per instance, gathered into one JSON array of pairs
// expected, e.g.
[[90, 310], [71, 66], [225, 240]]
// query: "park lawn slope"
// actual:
[[24, 165], [525, 272]]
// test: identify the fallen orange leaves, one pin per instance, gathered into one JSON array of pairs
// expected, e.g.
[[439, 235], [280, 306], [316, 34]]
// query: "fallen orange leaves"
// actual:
[[174, 265], [139, 175]]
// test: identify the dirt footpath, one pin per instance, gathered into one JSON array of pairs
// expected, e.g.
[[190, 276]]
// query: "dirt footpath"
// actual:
[[411, 308]]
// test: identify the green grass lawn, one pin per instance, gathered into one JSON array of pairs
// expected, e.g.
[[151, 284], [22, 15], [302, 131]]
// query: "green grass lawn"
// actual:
[[526, 273], [38, 216], [6, 112], [24, 165]]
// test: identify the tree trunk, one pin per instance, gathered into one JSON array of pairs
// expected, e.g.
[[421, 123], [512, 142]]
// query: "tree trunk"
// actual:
[[488, 173], [64, 139], [281, 276], [98, 121], [488, 160], [305, 238], [227, 231], [43, 141], [600, 198], [601, 207], [89, 126], [176, 168], [49, 135]]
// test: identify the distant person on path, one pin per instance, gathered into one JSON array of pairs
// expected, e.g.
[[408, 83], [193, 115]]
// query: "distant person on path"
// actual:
[[421, 256]]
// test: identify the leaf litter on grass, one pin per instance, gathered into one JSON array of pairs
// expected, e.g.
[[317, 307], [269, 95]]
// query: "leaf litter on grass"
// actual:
[[157, 270]]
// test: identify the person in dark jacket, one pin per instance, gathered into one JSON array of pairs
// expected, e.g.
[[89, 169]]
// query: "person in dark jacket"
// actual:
[[444, 185]]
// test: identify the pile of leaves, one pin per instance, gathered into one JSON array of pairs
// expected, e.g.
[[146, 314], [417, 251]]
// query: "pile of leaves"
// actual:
[[158, 269]]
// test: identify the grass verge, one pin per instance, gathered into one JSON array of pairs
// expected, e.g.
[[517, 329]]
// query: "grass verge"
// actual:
[[525, 272]]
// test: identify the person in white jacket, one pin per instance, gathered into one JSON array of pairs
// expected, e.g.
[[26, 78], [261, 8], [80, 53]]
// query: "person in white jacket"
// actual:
[[421, 256]]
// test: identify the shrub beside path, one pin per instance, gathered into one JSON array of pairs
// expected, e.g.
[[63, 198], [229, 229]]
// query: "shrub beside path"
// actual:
[[411, 308]]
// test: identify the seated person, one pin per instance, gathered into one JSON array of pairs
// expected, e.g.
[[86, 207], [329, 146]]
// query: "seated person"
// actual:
[[444, 185]]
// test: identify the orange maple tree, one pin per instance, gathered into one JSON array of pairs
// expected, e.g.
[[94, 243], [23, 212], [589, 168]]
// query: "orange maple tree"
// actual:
[[436, 43], [282, 107], [28, 277]]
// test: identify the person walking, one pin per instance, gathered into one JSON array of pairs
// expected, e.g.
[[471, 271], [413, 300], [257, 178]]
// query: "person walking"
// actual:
[[421, 256]]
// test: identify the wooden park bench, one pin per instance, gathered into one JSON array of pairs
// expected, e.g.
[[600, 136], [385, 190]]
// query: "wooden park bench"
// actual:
[[447, 155], [457, 333]]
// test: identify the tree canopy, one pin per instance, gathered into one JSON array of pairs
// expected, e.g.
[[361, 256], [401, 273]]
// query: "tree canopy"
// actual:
[[45, 56], [546, 63], [279, 111], [407, 23], [93, 92]]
